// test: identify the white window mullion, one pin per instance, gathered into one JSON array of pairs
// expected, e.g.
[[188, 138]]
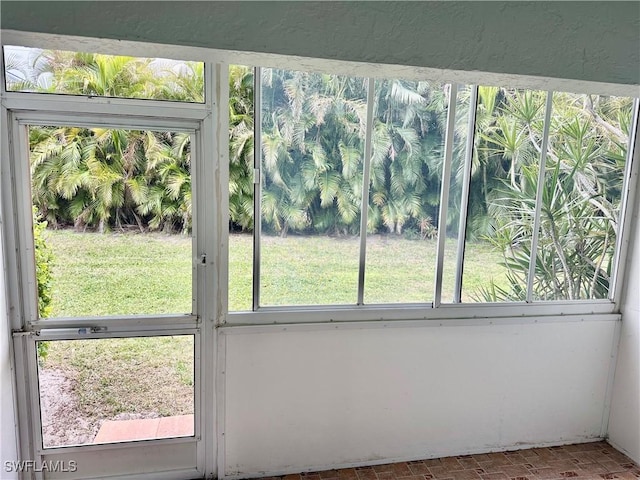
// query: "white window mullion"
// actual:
[[366, 176], [444, 192], [466, 185], [213, 198], [12, 217], [35, 439], [26, 266], [257, 182], [541, 174], [20, 393], [106, 120], [212, 238]]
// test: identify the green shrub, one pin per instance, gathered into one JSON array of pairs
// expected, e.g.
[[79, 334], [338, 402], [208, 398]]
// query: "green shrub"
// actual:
[[44, 259]]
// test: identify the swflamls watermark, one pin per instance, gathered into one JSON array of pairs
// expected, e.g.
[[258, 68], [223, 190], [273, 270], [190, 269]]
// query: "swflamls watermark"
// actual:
[[23, 466]]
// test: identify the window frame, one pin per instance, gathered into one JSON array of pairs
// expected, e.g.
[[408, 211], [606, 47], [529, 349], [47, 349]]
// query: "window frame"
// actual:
[[21, 120], [54, 334], [432, 310]]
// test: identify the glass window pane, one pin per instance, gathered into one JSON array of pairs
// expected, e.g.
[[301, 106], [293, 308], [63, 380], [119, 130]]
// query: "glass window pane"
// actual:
[[241, 133], [313, 128], [112, 221], [115, 390], [404, 199], [76, 73], [582, 194], [240, 271], [503, 194]]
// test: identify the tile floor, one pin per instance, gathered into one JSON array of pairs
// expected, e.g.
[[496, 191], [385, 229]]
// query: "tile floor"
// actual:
[[594, 461]]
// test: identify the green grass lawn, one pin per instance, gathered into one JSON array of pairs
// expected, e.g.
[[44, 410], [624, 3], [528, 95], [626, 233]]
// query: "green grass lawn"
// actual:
[[118, 274], [129, 375], [122, 274], [323, 270]]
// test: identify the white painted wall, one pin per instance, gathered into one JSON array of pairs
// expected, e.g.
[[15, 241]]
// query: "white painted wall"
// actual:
[[624, 422], [8, 443], [306, 400]]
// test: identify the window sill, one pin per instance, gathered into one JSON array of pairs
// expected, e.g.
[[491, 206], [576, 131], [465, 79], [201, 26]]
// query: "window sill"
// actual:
[[423, 313]]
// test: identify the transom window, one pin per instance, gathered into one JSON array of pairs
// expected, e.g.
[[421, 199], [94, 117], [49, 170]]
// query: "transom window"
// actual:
[[93, 74]]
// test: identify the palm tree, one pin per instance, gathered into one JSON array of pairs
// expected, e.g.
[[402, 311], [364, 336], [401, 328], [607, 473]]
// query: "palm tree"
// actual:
[[407, 154], [312, 152], [102, 178], [101, 75], [581, 197], [241, 147]]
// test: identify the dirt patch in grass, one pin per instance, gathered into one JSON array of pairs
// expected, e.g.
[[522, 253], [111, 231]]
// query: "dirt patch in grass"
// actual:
[[62, 421]]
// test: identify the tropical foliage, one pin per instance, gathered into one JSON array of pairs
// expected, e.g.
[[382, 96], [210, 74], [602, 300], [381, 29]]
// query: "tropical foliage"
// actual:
[[44, 277], [581, 193], [107, 178], [313, 132], [241, 147]]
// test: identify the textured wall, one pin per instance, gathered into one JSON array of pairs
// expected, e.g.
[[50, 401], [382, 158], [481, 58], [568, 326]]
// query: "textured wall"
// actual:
[[595, 41], [8, 441], [624, 421], [315, 399]]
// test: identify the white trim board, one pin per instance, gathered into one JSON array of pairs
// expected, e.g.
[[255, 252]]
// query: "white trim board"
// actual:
[[361, 69]]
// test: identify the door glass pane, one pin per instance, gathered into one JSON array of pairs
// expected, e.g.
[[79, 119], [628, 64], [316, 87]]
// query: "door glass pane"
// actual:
[[77, 73], [112, 221], [404, 199], [116, 389], [313, 128]]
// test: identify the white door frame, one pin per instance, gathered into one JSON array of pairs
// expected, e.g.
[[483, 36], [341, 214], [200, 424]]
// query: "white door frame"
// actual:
[[209, 146]]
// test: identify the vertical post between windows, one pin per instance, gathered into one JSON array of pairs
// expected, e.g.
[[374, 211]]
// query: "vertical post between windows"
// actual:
[[211, 227], [541, 174], [26, 266], [444, 191], [627, 202], [20, 394], [257, 182], [466, 185], [366, 175], [218, 88], [3, 73]]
